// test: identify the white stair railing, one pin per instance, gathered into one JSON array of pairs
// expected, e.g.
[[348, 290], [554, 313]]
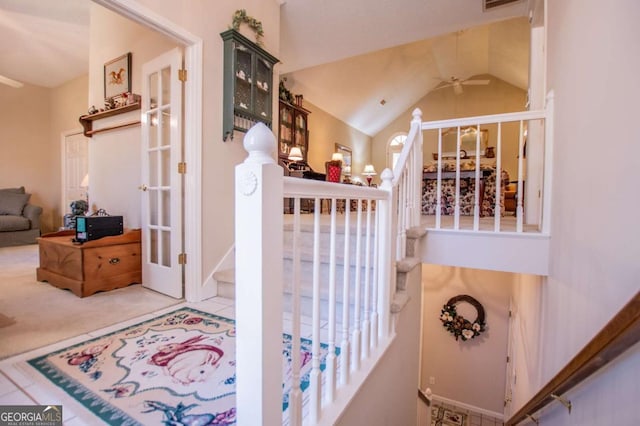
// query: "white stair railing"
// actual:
[[373, 225], [541, 139]]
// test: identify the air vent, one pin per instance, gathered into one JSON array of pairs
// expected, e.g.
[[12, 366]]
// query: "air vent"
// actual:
[[492, 4]]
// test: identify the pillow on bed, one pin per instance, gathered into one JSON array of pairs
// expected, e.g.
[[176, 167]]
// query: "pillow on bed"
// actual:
[[12, 203]]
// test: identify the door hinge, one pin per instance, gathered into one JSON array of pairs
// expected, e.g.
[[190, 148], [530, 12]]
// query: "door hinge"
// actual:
[[508, 359], [182, 259], [182, 75], [182, 167]]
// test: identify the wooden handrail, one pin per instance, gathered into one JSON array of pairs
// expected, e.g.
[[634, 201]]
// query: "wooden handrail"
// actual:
[[622, 332]]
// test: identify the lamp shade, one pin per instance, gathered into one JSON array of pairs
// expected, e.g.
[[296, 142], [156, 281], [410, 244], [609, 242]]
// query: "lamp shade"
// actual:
[[295, 154], [346, 170], [337, 156], [369, 170]]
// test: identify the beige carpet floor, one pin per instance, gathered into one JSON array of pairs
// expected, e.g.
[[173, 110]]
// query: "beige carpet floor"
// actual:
[[44, 314]]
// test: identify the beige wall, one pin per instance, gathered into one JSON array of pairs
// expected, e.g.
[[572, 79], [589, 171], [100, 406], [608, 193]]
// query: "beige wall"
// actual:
[[325, 131], [32, 120], [472, 371], [496, 97], [594, 265], [28, 155]]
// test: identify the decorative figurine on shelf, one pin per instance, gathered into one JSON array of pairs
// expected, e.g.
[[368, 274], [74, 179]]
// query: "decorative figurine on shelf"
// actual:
[[109, 103], [92, 110]]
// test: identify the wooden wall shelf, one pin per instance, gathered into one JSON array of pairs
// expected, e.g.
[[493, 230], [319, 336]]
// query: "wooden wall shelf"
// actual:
[[87, 120]]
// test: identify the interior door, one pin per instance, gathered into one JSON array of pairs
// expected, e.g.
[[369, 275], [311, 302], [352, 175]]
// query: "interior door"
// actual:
[[162, 228], [75, 166]]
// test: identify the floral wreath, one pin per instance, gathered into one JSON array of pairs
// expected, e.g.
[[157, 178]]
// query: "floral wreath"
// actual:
[[240, 16], [458, 325]]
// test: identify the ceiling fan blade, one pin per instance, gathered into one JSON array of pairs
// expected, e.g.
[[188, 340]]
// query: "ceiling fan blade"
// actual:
[[444, 86], [10, 82], [476, 82]]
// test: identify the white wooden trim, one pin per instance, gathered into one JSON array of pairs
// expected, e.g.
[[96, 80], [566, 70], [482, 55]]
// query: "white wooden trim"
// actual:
[[193, 131], [485, 119], [63, 167], [469, 407]]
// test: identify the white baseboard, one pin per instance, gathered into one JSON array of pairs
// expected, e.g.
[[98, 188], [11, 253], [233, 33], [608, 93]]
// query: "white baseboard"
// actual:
[[499, 416]]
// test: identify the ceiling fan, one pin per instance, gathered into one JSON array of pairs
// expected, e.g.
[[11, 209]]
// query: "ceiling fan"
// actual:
[[10, 82], [457, 84]]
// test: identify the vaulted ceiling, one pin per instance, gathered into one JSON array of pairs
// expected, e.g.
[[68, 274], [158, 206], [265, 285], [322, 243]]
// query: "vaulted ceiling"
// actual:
[[344, 57]]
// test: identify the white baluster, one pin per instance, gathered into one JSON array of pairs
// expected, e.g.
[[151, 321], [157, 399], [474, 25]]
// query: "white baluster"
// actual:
[[355, 339], [374, 283], [345, 345], [496, 213], [258, 234], [367, 284], [476, 210], [315, 385], [456, 218], [295, 399], [519, 209], [439, 181], [331, 356]]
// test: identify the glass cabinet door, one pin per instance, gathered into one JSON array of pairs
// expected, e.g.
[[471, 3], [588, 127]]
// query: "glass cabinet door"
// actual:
[[301, 133], [242, 95], [286, 124], [262, 97]]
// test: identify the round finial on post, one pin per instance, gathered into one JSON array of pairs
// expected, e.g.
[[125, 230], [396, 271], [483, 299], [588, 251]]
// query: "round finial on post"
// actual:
[[387, 179], [417, 115], [260, 143]]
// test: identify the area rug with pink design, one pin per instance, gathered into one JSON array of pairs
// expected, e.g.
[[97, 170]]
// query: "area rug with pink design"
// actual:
[[178, 368]]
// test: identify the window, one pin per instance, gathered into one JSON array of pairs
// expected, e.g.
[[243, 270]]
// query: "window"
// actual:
[[395, 148]]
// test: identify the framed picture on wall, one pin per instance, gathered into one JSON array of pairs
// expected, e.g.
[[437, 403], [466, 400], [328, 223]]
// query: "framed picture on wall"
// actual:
[[117, 76]]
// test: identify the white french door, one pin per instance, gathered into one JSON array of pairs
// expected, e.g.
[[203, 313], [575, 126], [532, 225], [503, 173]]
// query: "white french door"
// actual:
[[162, 227], [75, 168]]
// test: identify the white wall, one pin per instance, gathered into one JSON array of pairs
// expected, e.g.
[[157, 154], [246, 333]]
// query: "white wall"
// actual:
[[593, 60], [389, 395], [472, 371]]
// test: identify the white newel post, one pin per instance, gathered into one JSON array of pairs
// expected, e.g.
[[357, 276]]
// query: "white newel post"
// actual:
[[258, 230], [386, 253]]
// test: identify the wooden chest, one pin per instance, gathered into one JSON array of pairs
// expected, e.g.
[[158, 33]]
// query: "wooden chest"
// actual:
[[99, 265]]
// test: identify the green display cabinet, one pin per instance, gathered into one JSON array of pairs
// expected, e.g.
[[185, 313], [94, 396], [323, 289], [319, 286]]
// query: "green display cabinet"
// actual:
[[248, 84]]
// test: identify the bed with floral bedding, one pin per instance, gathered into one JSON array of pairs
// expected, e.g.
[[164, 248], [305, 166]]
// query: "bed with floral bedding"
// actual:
[[467, 189]]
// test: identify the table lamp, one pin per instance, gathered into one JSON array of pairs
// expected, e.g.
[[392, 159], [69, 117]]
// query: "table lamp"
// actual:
[[295, 154], [369, 172]]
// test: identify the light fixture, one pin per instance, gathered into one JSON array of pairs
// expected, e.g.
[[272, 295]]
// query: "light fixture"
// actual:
[[295, 154], [369, 172], [337, 156]]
